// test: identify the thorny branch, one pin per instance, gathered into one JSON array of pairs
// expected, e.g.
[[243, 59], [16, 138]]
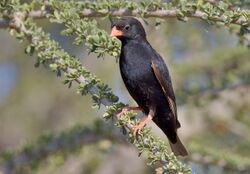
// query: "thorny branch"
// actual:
[[68, 141], [125, 12]]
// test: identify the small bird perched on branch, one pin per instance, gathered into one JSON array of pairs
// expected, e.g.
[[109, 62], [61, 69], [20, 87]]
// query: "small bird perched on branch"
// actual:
[[147, 79]]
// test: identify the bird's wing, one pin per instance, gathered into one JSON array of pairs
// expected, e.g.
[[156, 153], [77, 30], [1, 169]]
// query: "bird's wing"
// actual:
[[162, 75]]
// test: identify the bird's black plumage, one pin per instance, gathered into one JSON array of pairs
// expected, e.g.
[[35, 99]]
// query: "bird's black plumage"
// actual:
[[147, 78]]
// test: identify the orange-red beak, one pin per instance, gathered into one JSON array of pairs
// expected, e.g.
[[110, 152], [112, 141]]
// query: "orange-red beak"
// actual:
[[115, 32]]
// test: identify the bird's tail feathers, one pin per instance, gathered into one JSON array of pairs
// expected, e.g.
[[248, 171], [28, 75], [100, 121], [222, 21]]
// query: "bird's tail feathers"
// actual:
[[178, 148]]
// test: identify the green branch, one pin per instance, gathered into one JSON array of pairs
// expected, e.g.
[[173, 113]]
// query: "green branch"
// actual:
[[79, 15], [204, 11], [204, 154], [32, 154]]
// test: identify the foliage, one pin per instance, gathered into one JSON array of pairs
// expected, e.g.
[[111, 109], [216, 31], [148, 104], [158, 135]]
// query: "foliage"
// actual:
[[31, 154], [79, 19]]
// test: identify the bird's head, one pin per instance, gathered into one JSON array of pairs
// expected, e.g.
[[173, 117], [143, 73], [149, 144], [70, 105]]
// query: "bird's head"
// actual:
[[127, 28]]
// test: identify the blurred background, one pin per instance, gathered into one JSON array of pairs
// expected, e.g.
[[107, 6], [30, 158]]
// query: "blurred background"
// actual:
[[211, 75]]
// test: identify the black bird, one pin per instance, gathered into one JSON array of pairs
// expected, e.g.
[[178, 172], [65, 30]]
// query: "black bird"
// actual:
[[147, 79]]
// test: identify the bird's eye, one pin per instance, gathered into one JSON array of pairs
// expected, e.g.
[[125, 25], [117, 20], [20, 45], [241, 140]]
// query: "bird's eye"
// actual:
[[127, 27]]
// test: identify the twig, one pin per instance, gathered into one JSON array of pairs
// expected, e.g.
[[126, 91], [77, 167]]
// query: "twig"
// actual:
[[40, 14], [209, 160], [67, 141]]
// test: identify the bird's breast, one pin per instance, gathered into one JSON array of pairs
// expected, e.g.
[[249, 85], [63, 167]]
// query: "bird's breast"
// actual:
[[139, 79], [135, 69]]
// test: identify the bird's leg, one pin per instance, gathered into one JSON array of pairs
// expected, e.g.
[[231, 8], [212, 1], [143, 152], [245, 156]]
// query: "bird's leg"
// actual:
[[127, 108], [137, 128]]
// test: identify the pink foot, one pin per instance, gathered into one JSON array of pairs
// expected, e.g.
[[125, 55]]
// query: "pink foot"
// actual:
[[126, 109], [137, 129]]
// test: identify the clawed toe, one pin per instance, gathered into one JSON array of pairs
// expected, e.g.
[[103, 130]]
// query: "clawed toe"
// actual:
[[126, 109], [123, 112], [137, 129]]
